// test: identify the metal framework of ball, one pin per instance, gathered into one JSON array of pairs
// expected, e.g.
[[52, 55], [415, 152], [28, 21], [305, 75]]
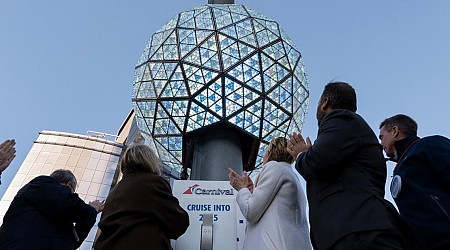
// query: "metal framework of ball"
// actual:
[[218, 64]]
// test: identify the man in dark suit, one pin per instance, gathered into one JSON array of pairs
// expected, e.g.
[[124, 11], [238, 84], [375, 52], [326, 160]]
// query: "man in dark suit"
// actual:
[[43, 214], [421, 182], [345, 173]]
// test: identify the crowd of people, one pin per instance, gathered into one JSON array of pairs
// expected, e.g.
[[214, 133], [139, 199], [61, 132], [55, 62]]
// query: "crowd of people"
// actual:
[[345, 173]]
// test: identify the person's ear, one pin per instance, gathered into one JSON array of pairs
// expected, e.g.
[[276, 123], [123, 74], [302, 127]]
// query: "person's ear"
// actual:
[[269, 154], [324, 104], [395, 131]]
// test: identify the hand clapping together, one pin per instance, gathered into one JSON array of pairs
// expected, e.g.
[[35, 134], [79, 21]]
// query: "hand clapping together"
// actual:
[[238, 182]]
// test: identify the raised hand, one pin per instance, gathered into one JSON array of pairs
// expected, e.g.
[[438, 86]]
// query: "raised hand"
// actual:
[[297, 144], [236, 181], [7, 153], [98, 205]]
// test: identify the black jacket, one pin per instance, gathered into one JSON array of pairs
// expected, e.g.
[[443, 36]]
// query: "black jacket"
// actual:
[[424, 198], [345, 173], [41, 216], [141, 213]]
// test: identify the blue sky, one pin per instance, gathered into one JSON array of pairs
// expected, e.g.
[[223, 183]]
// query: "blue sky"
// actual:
[[68, 65]]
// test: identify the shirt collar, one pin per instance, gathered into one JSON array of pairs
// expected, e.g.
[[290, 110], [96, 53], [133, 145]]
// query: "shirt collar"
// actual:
[[403, 144]]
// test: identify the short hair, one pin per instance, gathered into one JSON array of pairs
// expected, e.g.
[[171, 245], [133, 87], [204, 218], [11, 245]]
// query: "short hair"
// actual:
[[64, 176], [140, 158], [341, 95], [278, 150], [405, 123]]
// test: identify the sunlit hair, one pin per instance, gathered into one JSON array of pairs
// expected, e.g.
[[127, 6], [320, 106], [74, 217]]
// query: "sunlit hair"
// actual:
[[140, 158], [278, 150], [64, 176], [405, 123]]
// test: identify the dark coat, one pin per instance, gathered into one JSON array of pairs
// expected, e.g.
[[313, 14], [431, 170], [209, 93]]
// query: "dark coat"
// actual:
[[141, 213], [41, 216], [345, 173], [424, 199]]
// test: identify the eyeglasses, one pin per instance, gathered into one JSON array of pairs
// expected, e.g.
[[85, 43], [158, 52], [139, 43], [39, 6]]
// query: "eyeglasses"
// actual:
[[70, 185]]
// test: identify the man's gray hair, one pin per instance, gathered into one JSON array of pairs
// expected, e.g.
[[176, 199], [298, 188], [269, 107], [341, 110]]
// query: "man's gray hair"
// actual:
[[405, 123], [64, 176]]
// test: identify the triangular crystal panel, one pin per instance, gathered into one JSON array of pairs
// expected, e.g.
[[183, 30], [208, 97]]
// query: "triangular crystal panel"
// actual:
[[199, 117], [157, 40], [187, 19], [245, 32], [222, 17], [273, 115], [276, 52], [263, 35], [282, 96], [147, 109], [203, 20], [188, 41], [177, 110], [292, 54], [146, 90], [274, 75]]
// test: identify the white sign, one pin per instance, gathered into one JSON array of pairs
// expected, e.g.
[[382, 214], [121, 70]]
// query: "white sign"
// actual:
[[216, 199]]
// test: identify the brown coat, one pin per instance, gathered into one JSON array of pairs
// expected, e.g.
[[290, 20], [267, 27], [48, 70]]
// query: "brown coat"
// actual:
[[141, 213]]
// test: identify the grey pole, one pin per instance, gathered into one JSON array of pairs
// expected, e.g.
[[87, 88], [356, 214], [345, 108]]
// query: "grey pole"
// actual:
[[217, 150], [220, 1]]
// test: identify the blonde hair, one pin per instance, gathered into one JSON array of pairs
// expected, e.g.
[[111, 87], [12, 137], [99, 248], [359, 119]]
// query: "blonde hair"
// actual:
[[140, 158], [278, 150]]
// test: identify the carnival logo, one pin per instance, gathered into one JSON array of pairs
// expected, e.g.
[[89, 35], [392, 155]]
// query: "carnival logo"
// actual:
[[190, 189], [195, 189]]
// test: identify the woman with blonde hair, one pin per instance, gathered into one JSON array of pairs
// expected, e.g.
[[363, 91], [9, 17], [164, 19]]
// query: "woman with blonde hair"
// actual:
[[275, 206], [140, 211]]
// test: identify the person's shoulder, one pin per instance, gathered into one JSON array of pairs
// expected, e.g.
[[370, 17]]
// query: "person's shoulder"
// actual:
[[342, 114], [438, 138], [435, 140], [277, 167], [150, 179], [142, 177], [338, 117], [43, 179]]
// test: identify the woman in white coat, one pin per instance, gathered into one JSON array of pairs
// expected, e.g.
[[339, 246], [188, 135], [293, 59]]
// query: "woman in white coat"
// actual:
[[275, 207]]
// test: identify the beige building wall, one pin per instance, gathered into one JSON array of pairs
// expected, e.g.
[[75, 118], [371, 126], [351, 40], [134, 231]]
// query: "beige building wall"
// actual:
[[93, 161]]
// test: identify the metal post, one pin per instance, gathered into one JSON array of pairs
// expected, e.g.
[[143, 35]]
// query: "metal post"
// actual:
[[218, 149]]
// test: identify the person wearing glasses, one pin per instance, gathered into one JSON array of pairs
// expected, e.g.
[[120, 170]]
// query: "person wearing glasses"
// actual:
[[275, 206], [47, 214]]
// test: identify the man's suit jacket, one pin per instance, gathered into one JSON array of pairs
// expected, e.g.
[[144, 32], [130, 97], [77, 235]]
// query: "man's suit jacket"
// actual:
[[345, 173], [42, 215]]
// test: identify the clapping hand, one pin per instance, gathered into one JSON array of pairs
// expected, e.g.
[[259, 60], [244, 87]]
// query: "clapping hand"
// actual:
[[238, 182], [7, 154], [297, 144], [98, 205]]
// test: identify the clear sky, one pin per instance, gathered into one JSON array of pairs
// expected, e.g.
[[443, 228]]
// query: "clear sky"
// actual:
[[68, 65]]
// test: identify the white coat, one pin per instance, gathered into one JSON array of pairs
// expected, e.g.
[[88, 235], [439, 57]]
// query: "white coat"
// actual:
[[275, 211]]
